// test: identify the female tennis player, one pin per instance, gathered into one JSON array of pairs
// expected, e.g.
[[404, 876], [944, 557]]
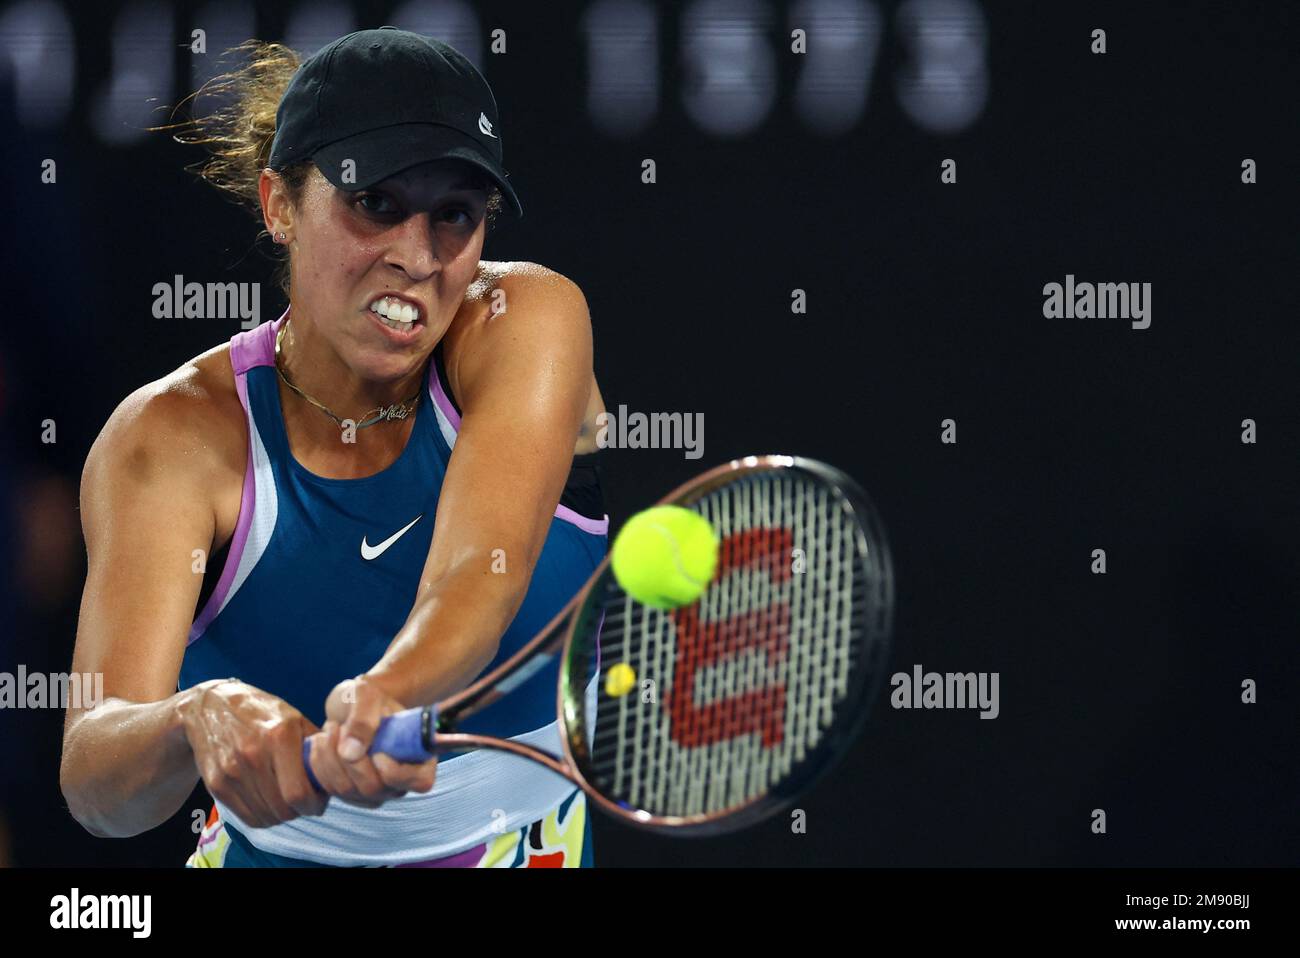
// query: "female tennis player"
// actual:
[[354, 509]]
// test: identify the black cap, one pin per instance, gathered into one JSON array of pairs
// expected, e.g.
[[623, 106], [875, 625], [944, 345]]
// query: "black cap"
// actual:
[[388, 100]]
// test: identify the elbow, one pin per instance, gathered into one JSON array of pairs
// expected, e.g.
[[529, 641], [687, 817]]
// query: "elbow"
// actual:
[[76, 800], [90, 825], [85, 813], [78, 795]]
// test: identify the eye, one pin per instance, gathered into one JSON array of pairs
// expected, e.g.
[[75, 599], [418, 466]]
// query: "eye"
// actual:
[[375, 203], [465, 214]]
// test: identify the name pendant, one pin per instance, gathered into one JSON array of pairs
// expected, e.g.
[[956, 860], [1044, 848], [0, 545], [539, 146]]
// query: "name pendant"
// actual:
[[389, 413]]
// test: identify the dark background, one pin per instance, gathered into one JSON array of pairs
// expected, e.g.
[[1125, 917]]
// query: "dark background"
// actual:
[[1119, 692]]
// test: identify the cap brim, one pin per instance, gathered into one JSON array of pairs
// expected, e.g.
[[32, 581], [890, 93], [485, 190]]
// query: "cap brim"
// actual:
[[379, 154]]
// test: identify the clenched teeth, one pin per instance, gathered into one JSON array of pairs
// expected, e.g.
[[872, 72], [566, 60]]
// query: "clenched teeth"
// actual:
[[395, 311]]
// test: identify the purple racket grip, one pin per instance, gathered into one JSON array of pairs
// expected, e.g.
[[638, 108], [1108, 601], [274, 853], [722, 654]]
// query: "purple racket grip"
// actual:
[[399, 736]]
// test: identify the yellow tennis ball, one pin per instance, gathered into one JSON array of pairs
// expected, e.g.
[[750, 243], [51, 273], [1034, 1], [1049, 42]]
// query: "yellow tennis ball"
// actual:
[[665, 556], [619, 680]]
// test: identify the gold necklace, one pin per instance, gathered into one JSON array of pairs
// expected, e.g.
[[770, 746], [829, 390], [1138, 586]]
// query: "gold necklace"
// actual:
[[397, 411]]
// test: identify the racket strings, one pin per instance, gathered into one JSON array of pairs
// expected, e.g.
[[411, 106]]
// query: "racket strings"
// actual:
[[735, 691]]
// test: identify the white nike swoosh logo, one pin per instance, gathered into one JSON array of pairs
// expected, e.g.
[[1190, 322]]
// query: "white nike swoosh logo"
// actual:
[[369, 552]]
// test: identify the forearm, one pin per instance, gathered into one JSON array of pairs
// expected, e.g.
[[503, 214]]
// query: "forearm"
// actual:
[[451, 635], [127, 766]]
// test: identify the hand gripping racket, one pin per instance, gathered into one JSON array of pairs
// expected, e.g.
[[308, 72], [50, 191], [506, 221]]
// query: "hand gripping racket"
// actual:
[[742, 699]]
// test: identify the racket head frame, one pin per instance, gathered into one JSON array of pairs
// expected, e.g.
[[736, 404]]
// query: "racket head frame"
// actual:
[[851, 715]]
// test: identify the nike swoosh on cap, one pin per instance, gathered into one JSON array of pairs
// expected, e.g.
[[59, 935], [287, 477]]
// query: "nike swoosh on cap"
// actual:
[[369, 552]]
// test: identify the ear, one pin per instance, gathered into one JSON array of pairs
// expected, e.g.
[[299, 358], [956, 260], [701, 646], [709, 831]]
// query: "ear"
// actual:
[[277, 209]]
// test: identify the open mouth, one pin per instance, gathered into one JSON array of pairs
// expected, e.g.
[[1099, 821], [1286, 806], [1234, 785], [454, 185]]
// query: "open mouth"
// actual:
[[396, 313]]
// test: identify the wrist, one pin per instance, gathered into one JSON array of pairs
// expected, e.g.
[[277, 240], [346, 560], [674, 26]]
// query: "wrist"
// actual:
[[186, 706], [181, 714], [389, 683]]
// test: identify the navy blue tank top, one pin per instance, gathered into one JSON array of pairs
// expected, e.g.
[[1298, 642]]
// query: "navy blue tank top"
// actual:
[[298, 606]]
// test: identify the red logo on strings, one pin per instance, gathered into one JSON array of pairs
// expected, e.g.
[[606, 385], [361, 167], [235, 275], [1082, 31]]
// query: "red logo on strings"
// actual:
[[709, 644]]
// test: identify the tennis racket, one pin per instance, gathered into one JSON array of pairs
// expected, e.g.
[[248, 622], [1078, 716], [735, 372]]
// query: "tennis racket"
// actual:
[[742, 699]]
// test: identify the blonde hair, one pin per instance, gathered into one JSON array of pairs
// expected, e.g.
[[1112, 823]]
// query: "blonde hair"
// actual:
[[238, 134]]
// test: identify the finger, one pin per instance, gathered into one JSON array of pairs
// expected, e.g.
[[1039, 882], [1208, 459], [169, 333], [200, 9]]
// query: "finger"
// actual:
[[367, 786], [229, 781], [236, 806], [338, 704], [366, 781], [223, 788], [361, 723], [293, 787], [340, 778], [326, 764], [406, 776], [259, 774]]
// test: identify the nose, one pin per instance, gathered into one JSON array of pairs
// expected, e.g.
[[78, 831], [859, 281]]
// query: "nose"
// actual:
[[414, 247]]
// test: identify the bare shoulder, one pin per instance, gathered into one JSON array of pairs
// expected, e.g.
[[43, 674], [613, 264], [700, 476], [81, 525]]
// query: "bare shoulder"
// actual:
[[515, 308], [189, 422], [538, 284]]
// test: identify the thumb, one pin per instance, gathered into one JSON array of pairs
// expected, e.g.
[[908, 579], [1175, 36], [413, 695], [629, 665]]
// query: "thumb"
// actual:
[[362, 720]]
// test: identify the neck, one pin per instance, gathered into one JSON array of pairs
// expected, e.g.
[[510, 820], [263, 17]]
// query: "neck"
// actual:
[[312, 365]]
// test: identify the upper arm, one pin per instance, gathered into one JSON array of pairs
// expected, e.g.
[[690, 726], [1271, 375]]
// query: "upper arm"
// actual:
[[146, 506], [525, 377]]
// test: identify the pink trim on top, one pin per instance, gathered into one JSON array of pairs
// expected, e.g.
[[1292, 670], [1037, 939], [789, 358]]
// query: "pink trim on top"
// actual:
[[599, 527], [439, 395], [256, 347]]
